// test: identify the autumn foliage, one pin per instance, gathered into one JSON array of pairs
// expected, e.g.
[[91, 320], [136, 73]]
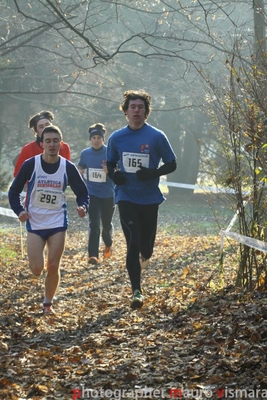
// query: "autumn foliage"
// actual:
[[195, 330]]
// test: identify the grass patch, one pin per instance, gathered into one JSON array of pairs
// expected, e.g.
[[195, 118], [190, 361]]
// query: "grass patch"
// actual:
[[195, 214], [7, 252]]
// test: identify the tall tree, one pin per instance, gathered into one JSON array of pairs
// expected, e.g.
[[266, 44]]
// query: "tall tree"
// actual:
[[85, 53]]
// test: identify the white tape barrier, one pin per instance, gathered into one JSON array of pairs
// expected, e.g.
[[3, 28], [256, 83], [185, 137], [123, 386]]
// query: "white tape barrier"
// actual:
[[10, 213], [229, 227], [7, 212], [23, 194], [248, 241], [197, 187], [255, 243]]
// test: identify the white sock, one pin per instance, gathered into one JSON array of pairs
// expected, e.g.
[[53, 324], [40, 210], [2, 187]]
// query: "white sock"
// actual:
[[48, 301]]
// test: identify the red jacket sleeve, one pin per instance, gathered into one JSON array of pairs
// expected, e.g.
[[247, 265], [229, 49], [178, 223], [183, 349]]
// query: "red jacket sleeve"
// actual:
[[64, 150], [29, 150]]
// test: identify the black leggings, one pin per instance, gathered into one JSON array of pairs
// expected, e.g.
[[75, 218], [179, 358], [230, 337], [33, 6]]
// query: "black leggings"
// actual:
[[139, 225]]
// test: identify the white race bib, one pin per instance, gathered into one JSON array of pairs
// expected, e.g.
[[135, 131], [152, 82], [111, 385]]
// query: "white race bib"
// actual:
[[97, 175], [47, 198], [133, 161]]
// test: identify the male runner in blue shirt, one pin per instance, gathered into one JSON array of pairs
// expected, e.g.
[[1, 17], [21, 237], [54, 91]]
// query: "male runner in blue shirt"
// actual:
[[134, 153], [92, 165]]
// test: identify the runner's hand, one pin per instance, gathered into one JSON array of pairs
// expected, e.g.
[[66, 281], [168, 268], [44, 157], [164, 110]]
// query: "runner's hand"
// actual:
[[145, 174], [24, 215], [81, 210], [119, 178]]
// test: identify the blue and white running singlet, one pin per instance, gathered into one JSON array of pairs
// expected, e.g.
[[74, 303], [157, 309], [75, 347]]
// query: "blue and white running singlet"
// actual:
[[45, 199]]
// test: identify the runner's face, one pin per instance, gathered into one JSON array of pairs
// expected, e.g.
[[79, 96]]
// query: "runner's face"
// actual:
[[97, 142], [41, 124], [136, 112], [51, 144]]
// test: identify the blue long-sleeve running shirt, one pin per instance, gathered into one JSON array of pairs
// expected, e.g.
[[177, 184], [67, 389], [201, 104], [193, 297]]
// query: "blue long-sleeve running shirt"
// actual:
[[130, 149], [98, 182]]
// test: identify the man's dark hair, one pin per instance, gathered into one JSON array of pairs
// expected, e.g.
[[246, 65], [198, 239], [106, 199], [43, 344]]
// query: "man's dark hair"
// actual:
[[134, 95], [51, 128], [41, 115]]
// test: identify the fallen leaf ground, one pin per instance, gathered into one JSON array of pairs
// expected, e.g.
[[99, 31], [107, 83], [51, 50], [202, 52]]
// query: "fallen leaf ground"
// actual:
[[195, 332]]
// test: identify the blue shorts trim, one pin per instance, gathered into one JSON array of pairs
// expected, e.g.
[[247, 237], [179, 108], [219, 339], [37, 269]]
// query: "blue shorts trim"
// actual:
[[46, 233]]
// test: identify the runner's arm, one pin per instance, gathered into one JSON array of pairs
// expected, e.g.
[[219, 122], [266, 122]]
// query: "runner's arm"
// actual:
[[78, 186], [17, 186]]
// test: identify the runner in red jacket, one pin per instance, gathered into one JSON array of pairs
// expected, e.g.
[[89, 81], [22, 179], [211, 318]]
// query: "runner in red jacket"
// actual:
[[37, 123]]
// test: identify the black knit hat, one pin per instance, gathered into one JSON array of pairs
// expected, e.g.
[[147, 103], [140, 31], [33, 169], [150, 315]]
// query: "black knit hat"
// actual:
[[97, 129]]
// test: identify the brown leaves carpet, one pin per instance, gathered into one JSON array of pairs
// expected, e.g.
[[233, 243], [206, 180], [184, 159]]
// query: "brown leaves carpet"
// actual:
[[194, 332]]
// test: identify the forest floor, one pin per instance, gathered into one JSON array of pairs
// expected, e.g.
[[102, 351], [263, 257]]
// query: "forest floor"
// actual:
[[197, 336]]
